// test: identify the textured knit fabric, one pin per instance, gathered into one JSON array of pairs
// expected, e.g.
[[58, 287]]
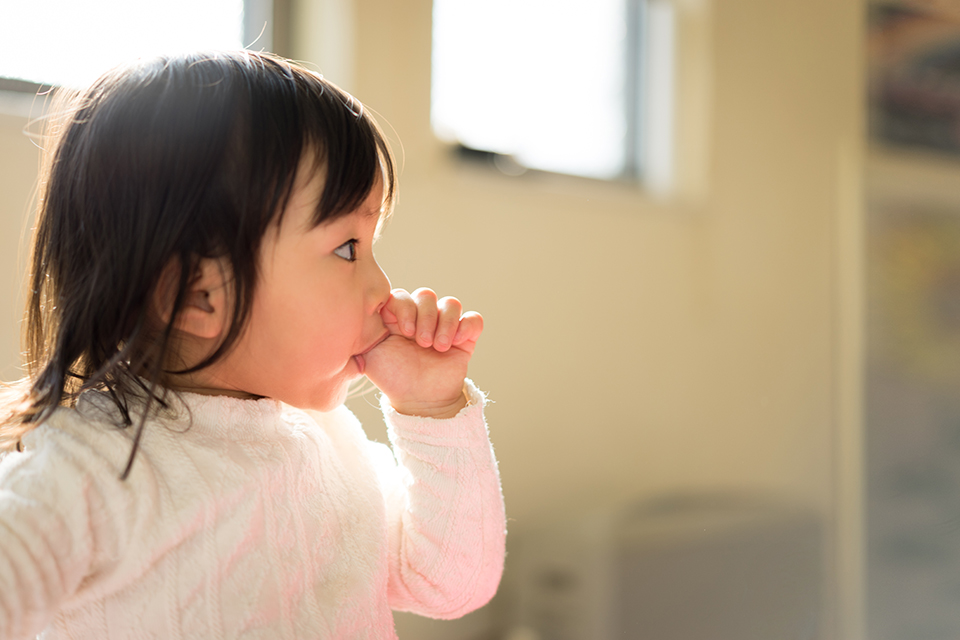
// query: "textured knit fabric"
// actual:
[[245, 519]]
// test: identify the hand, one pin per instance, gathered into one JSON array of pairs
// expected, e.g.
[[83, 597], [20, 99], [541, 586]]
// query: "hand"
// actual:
[[421, 366]]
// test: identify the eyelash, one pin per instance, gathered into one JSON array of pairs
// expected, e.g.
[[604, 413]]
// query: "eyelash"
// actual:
[[351, 247]]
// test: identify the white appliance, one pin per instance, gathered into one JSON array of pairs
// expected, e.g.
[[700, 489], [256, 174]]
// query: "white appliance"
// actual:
[[689, 567]]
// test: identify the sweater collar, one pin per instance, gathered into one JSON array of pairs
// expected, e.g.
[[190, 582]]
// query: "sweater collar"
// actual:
[[220, 417]]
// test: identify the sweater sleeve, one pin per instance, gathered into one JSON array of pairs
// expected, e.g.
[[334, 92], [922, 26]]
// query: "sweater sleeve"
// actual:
[[45, 541], [445, 513], [66, 519]]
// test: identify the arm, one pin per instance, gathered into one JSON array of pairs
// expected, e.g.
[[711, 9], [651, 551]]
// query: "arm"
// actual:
[[446, 518], [45, 545], [445, 510]]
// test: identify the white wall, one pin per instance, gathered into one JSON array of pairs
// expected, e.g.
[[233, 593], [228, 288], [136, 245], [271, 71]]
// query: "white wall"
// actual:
[[19, 161]]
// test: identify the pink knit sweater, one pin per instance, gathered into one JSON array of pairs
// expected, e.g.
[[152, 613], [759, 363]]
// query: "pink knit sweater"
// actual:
[[246, 519]]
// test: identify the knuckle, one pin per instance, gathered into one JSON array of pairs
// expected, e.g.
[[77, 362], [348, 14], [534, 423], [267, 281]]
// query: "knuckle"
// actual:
[[449, 302], [425, 293]]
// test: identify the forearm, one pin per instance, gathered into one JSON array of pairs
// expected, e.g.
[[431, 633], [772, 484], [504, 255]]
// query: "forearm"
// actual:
[[447, 523]]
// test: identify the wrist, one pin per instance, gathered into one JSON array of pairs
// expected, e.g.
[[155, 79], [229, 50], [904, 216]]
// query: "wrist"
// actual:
[[438, 410]]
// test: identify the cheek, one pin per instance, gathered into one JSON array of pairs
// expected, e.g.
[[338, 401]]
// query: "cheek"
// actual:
[[331, 341], [306, 316]]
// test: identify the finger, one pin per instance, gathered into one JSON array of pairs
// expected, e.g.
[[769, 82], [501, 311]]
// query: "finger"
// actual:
[[448, 321], [426, 301], [469, 330], [400, 313]]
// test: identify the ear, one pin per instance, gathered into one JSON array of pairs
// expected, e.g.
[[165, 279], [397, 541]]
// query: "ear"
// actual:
[[204, 310]]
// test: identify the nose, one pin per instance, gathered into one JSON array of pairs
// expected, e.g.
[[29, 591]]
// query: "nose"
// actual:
[[378, 291]]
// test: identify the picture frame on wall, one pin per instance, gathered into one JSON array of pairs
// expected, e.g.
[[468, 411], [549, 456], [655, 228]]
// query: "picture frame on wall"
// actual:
[[914, 74]]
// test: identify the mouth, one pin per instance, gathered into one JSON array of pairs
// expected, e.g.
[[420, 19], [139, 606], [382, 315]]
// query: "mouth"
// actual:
[[359, 358]]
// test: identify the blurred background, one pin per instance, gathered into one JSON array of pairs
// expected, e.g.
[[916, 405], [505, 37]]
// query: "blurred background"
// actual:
[[717, 248]]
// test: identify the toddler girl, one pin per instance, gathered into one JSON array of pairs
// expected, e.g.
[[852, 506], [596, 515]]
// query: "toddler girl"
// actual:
[[179, 463]]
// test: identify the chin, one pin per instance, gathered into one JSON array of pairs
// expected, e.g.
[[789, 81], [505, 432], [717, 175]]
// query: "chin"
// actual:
[[330, 401]]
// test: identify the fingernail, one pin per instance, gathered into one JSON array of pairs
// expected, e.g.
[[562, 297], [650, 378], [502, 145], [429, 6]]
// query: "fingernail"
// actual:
[[425, 337], [409, 328], [443, 341]]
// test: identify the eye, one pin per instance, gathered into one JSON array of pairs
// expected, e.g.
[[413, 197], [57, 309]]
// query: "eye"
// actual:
[[347, 251]]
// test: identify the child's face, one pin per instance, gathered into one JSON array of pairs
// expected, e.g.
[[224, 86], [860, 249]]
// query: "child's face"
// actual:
[[316, 305]]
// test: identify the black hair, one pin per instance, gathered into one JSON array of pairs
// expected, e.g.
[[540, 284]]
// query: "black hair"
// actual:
[[172, 159]]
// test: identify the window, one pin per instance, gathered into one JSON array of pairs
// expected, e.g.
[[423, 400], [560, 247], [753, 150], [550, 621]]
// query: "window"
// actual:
[[582, 87], [70, 42]]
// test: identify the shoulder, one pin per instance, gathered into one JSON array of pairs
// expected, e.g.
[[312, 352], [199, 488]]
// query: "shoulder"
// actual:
[[70, 439], [67, 473], [340, 416], [347, 434], [337, 423]]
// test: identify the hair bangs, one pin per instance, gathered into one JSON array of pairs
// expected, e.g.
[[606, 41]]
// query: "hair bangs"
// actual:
[[351, 152]]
